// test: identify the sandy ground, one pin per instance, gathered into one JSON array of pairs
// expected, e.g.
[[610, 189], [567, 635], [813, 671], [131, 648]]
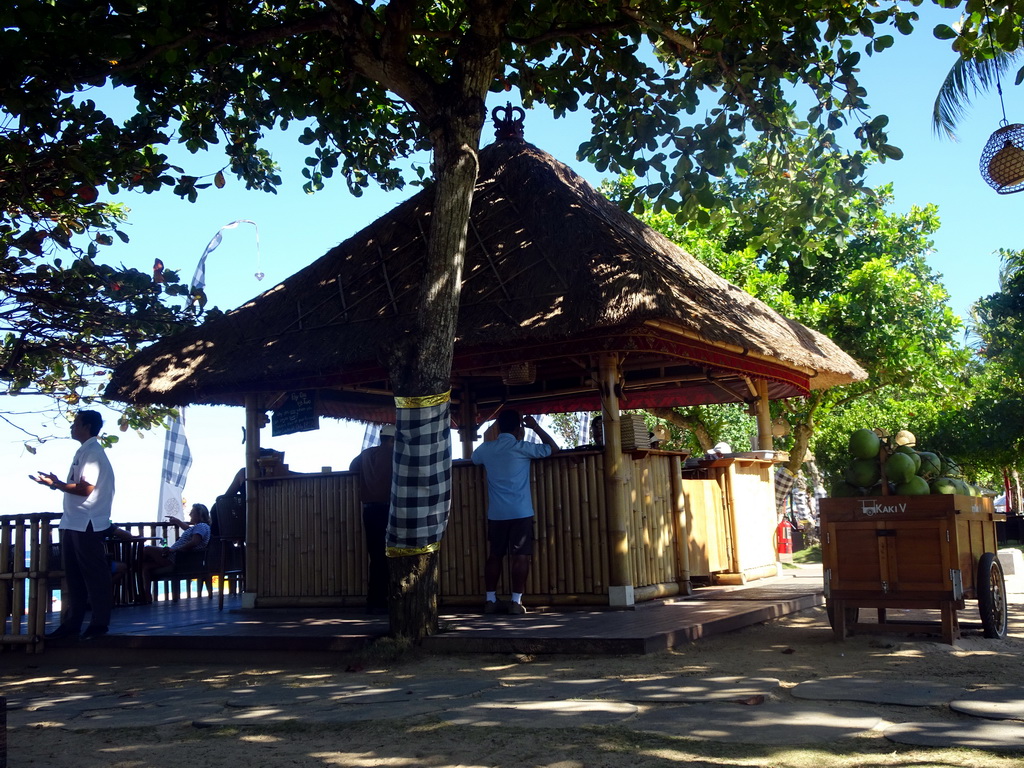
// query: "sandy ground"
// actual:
[[793, 649]]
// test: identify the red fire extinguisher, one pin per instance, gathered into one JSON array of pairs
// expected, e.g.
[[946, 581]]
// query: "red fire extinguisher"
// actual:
[[784, 536]]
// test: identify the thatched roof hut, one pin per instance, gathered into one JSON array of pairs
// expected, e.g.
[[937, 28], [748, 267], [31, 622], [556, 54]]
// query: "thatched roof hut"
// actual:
[[554, 275]]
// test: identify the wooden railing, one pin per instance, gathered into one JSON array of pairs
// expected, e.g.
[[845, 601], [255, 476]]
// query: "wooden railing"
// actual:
[[31, 570], [28, 570]]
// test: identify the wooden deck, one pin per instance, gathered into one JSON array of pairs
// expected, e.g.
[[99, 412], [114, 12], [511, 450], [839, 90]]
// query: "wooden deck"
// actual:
[[195, 627]]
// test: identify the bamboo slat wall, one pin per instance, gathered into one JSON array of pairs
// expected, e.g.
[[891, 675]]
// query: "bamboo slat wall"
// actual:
[[652, 531], [311, 536], [313, 551]]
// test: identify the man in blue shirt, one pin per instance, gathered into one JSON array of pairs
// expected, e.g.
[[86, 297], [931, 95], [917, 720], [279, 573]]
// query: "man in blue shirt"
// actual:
[[509, 505]]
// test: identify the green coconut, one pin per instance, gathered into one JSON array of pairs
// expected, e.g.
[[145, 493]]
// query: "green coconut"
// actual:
[[916, 486], [864, 444], [862, 473], [908, 451], [900, 468], [962, 486], [952, 468], [931, 467], [843, 490], [945, 485]]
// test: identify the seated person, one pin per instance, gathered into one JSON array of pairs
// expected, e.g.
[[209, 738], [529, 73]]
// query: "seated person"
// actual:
[[118, 569], [195, 537]]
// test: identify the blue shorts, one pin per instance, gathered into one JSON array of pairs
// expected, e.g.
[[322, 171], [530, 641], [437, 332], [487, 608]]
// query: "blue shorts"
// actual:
[[513, 537]]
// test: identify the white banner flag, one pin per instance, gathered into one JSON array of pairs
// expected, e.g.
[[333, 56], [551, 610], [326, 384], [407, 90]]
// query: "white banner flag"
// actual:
[[199, 278]]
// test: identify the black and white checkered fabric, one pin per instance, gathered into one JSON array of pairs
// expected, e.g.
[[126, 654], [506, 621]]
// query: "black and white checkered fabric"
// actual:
[[371, 435], [784, 481], [421, 493], [801, 506], [177, 456]]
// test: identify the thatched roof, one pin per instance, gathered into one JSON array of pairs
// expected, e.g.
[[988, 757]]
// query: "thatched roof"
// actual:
[[554, 274]]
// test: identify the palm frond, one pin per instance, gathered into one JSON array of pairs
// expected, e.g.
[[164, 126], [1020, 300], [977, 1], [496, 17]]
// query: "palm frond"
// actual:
[[965, 80]]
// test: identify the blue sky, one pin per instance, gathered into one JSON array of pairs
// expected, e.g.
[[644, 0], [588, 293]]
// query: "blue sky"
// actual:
[[296, 228]]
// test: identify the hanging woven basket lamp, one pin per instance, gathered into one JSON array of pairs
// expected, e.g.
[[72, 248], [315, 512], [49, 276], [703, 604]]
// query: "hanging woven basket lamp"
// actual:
[[1002, 160]]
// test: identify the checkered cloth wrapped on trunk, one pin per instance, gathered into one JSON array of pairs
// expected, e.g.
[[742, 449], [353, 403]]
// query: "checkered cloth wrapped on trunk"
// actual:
[[784, 481], [421, 494]]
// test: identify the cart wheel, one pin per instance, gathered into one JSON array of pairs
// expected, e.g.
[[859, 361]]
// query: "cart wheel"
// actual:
[[992, 596], [852, 615]]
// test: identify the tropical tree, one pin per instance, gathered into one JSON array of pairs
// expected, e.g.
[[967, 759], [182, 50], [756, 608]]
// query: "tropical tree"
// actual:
[[674, 89], [988, 430], [868, 287], [66, 318], [986, 42]]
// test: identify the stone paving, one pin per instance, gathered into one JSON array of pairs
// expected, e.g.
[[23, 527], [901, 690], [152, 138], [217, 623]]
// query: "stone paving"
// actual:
[[726, 709], [755, 710]]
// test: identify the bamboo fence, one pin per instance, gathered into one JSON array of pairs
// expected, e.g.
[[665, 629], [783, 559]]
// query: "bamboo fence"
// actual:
[[29, 572], [312, 549]]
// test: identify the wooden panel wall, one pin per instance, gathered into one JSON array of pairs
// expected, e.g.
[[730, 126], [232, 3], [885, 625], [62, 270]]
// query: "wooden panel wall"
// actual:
[[706, 524], [752, 490]]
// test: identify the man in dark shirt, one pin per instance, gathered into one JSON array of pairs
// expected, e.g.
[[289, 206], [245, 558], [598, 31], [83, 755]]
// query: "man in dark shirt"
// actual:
[[374, 468]]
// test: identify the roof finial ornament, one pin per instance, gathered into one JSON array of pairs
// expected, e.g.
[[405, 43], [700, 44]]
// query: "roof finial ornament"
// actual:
[[508, 126]]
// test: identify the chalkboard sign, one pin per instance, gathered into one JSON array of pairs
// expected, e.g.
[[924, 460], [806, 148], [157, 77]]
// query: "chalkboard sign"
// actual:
[[296, 414]]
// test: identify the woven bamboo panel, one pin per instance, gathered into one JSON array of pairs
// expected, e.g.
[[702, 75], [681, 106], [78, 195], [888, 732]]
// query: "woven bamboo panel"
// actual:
[[567, 559], [652, 527]]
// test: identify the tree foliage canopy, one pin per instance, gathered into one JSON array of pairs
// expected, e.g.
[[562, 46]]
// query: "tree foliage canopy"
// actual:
[[66, 316], [988, 430], [675, 90], [675, 87], [871, 291]]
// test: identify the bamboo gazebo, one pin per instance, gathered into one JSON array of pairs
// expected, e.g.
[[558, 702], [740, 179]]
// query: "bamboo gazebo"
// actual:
[[568, 304]]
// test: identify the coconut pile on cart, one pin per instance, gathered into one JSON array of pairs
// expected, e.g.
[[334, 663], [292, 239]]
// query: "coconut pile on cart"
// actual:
[[900, 532]]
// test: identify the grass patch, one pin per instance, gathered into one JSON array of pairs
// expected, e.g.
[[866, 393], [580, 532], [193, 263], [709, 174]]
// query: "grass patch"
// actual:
[[809, 555]]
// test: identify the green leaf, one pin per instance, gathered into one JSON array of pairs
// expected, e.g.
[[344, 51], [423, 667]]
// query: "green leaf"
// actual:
[[890, 151]]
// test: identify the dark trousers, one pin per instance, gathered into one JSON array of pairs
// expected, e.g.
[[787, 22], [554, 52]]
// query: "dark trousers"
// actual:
[[88, 576], [375, 527]]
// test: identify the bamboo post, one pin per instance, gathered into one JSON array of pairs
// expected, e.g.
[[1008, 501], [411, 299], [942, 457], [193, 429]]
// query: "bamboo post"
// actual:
[[467, 421], [620, 582], [682, 532], [764, 417], [253, 424], [574, 526]]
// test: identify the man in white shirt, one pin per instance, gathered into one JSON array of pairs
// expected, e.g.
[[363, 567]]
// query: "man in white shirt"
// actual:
[[88, 496]]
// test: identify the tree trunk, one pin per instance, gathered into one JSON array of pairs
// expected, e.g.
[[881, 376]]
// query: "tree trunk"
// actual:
[[413, 595], [801, 441], [421, 362], [699, 429], [803, 431]]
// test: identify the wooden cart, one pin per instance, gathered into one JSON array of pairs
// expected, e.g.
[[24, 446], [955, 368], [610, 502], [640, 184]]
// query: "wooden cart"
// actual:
[[915, 552]]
